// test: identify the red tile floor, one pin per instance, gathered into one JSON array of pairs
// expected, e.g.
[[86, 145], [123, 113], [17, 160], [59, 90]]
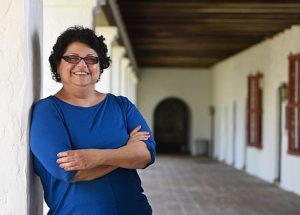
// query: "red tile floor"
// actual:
[[182, 185]]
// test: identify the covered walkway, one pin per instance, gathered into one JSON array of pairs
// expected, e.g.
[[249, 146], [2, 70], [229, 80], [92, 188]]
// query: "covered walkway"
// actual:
[[181, 185]]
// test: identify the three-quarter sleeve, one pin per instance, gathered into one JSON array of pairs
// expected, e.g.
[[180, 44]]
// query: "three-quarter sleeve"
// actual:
[[135, 118], [48, 137]]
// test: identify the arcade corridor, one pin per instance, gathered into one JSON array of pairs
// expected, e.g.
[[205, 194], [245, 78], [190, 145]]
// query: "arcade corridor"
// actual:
[[179, 185]]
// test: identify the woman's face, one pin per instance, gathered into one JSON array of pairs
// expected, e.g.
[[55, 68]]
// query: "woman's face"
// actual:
[[83, 73]]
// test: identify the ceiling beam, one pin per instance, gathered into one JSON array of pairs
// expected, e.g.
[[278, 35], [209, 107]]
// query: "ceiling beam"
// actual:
[[123, 32]]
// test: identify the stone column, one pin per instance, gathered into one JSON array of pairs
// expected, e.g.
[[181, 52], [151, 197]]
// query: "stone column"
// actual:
[[20, 55], [117, 54], [133, 81], [110, 33], [123, 76], [128, 82]]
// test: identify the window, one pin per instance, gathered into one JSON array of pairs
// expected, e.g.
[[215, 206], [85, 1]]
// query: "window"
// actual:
[[254, 111], [293, 107]]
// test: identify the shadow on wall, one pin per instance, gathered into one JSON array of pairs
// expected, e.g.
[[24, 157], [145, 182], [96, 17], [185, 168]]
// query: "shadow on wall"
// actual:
[[36, 67], [35, 190]]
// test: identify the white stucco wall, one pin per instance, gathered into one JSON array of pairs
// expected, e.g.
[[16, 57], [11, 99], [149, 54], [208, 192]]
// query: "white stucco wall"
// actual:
[[58, 16], [230, 84], [20, 56], [193, 86]]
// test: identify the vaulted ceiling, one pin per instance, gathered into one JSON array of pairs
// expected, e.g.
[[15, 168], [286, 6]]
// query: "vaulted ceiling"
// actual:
[[190, 33]]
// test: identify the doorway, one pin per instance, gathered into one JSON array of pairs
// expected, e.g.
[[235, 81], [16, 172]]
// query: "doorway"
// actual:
[[171, 126]]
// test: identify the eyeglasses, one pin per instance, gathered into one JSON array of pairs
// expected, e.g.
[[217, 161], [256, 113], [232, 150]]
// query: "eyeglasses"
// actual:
[[75, 59]]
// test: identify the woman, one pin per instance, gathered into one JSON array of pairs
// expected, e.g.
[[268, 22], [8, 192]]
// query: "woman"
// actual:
[[80, 139]]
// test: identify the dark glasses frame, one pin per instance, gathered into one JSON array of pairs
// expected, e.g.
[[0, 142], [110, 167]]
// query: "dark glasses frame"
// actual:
[[75, 59]]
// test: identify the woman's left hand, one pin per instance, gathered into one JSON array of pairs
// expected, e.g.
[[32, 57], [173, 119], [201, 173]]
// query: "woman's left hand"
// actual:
[[78, 159], [136, 135]]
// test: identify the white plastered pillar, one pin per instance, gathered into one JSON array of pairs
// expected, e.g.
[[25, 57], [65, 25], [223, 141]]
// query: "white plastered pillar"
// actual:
[[58, 16], [125, 62], [132, 85], [110, 33], [131, 81], [117, 54], [21, 39]]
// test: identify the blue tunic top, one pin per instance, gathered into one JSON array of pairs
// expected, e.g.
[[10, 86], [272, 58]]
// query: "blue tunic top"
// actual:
[[58, 126]]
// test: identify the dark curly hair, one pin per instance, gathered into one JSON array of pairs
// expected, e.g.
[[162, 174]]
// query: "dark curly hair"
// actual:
[[78, 34]]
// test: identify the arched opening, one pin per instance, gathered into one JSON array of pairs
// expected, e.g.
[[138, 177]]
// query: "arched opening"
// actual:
[[171, 126]]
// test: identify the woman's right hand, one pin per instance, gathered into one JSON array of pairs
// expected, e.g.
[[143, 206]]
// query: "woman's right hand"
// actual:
[[136, 135]]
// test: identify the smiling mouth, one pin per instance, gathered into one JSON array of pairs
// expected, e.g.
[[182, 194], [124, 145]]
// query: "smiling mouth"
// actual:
[[81, 73]]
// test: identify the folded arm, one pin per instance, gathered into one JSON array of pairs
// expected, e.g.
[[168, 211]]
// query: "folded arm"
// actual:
[[91, 174], [95, 163], [139, 152]]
